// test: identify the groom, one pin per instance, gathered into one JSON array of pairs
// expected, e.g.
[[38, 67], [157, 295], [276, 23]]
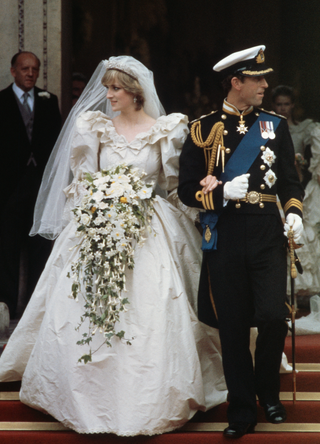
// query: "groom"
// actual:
[[243, 277]]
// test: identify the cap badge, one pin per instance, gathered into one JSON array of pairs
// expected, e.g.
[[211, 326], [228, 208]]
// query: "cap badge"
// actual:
[[242, 128], [267, 130], [260, 57]]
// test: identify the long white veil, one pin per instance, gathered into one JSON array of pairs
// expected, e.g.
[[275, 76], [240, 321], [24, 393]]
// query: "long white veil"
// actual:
[[48, 218]]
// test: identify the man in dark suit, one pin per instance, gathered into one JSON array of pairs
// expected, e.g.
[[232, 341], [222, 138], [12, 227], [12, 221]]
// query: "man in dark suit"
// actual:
[[243, 277], [30, 122]]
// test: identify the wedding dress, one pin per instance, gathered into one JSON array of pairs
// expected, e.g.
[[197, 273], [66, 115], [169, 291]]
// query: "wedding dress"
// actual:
[[173, 367]]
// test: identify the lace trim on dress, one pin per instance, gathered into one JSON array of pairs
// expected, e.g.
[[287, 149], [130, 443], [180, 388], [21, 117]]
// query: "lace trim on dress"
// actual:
[[145, 432], [97, 121]]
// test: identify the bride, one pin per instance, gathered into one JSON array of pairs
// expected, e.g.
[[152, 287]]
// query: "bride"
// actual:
[[173, 366]]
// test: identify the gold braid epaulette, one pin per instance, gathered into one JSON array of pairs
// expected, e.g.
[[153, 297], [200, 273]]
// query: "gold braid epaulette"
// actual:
[[212, 143]]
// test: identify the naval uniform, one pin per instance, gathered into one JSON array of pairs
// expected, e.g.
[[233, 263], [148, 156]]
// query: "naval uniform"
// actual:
[[243, 280]]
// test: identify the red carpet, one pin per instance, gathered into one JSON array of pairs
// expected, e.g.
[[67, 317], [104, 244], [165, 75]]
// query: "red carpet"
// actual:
[[302, 426]]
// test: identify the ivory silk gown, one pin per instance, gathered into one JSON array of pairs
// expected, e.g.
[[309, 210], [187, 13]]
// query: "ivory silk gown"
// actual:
[[173, 367]]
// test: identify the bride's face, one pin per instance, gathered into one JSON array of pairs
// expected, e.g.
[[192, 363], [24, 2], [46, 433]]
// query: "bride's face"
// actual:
[[119, 98]]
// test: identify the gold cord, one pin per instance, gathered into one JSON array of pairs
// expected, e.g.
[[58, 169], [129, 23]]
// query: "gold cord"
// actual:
[[211, 144]]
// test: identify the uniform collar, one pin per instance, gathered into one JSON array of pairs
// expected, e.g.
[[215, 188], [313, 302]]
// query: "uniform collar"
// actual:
[[231, 109]]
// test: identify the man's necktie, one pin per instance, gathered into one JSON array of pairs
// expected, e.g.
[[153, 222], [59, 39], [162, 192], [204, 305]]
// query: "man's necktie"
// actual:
[[25, 103], [28, 118]]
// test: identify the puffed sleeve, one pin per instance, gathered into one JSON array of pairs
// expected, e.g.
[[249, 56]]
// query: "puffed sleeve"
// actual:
[[175, 130], [84, 154]]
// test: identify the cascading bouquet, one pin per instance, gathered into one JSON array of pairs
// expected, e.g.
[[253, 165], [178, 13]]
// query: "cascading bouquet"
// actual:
[[111, 219]]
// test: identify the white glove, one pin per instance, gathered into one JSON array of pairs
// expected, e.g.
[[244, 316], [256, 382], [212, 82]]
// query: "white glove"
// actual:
[[237, 188], [294, 222]]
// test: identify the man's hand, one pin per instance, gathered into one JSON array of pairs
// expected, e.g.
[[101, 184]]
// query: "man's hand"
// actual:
[[293, 222], [237, 188], [209, 183]]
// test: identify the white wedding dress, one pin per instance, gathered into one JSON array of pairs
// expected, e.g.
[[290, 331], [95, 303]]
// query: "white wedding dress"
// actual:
[[173, 367]]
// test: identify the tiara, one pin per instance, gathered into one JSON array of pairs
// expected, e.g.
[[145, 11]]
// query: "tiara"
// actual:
[[120, 66]]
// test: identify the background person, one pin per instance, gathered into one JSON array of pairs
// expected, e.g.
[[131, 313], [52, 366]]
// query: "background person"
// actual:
[[283, 99], [29, 124], [79, 82], [306, 140]]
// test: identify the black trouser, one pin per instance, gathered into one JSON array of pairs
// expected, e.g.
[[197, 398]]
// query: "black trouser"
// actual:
[[15, 224], [248, 281]]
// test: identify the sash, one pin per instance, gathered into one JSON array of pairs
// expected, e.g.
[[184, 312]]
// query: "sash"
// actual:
[[239, 163], [248, 149]]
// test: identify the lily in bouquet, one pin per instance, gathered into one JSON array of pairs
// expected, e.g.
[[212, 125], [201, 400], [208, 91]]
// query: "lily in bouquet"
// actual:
[[111, 219]]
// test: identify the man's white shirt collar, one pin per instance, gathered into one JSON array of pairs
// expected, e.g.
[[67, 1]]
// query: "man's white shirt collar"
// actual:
[[19, 93]]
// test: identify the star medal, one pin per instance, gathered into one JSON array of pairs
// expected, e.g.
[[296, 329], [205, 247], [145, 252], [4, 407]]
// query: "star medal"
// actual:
[[267, 130], [242, 128]]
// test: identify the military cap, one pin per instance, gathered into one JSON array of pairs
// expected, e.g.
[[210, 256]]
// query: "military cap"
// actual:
[[248, 62]]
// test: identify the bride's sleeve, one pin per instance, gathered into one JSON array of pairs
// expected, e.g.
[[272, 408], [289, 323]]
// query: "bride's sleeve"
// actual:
[[84, 154], [176, 128]]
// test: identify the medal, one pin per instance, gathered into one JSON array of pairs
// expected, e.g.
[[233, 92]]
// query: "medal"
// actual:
[[267, 130], [242, 128]]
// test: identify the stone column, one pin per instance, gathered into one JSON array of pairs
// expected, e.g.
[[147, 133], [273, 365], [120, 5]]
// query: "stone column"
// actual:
[[42, 27]]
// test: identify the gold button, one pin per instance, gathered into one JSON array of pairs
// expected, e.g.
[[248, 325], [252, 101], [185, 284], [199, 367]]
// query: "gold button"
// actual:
[[223, 117], [257, 114], [262, 167], [261, 205], [262, 148], [238, 205], [262, 186], [225, 132], [228, 150]]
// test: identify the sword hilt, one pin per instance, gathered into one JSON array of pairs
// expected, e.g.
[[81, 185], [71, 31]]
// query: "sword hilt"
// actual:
[[293, 268]]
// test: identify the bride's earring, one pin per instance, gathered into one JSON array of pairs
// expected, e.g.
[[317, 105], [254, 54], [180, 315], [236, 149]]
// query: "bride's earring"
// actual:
[[135, 100]]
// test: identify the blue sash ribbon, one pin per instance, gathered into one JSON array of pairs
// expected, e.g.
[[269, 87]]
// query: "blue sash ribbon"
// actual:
[[239, 163]]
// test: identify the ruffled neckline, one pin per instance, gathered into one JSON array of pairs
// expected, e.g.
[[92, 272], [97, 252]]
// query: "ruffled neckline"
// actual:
[[98, 121]]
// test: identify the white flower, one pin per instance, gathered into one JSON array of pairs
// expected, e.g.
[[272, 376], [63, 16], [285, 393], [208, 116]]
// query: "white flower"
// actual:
[[270, 178], [268, 157], [145, 192], [101, 180], [99, 220], [103, 205], [98, 196], [44, 94], [85, 219], [110, 214], [117, 233]]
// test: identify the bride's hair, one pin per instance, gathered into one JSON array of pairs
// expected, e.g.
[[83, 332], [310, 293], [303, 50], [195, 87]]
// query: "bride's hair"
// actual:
[[128, 83]]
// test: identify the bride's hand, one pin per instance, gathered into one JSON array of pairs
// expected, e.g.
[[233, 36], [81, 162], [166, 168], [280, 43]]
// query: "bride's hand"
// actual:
[[209, 183]]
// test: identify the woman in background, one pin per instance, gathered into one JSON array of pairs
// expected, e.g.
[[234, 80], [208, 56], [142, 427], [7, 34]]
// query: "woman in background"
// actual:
[[306, 140]]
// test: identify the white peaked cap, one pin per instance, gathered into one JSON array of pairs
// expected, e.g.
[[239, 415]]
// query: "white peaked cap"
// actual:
[[249, 62]]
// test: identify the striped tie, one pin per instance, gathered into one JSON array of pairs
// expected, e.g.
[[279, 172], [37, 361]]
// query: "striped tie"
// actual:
[[26, 104]]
